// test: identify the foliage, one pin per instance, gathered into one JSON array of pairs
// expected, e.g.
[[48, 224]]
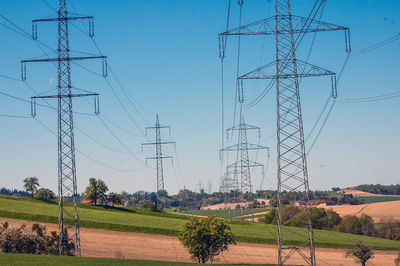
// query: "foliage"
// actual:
[[31, 184], [115, 198], [361, 252], [349, 199], [380, 189], [5, 191], [205, 238], [44, 194], [33, 241], [321, 219], [96, 191]]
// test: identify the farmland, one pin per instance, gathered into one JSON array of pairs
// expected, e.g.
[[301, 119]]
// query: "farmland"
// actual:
[[235, 213], [169, 224], [379, 211], [24, 259]]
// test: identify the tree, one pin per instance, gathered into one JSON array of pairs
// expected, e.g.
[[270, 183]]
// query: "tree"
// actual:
[[206, 237], [361, 252], [31, 184], [96, 190], [44, 194], [115, 198]]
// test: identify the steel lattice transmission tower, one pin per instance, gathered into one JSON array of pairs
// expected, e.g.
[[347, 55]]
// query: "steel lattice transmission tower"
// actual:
[[241, 168], [68, 215], [285, 73], [159, 156]]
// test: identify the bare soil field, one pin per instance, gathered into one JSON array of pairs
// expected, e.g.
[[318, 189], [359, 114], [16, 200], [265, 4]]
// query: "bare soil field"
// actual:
[[224, 206], [379, 211], [111, 244], [360, 193]]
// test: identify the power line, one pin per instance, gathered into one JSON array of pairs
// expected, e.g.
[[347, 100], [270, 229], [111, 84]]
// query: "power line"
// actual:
[[377, 98], [15, 116], [376, 45], [86, 155]]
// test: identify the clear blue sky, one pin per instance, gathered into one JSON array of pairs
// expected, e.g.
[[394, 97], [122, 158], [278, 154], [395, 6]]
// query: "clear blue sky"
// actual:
[[165, 53]]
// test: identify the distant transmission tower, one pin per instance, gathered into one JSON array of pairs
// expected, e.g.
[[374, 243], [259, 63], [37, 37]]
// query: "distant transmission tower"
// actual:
[[285, 73], [159, 156], [68, 215], [241, 168]]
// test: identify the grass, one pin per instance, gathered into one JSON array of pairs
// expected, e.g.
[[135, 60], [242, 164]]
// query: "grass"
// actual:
[[377, 199], [25, 259], [145, 221], [224, 213]]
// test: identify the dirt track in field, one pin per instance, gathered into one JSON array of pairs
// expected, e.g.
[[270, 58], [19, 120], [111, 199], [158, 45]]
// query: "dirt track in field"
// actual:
[[112, 244], [379, 211]]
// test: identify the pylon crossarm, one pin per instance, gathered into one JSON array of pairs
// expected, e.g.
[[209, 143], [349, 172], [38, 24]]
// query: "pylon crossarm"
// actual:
[[65, 96], [62, 18], [304, 70], [77, 58], [267, 27]]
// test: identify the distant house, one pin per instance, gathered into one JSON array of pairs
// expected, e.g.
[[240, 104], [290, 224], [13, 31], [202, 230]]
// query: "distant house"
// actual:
[[316, 202], [87, 201]]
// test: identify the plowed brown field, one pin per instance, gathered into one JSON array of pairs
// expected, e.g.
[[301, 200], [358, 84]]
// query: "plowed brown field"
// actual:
[[379, 211], [110, 244]]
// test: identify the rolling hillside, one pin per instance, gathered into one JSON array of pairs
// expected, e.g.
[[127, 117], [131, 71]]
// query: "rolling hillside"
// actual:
[[148, 222]]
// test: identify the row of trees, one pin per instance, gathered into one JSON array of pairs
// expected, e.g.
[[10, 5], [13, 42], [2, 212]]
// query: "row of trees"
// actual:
[[380, 189], [330, 220], [321, 218], [34, 240]]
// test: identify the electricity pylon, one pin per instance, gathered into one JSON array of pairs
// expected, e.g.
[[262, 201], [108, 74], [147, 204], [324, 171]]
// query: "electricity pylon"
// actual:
[[285, 73], [159, 156], [68, 214], [241, 168]]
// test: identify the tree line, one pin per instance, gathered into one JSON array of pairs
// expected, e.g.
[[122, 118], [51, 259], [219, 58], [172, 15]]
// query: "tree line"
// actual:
[[330, 220], [380, 189]]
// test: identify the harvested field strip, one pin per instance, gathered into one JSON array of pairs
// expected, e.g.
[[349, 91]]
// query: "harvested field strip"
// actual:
[[134, 222], [379, 211]]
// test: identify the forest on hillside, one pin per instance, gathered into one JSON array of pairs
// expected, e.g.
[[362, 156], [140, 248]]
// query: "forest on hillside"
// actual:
[[379, 189]]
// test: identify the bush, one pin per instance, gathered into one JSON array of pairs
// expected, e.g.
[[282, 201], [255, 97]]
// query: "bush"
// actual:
[[32, 241], [350, 224], [206, 237], [361, 252], [44, 194]]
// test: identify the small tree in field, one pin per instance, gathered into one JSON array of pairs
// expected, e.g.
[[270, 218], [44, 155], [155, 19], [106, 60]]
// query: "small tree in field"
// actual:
[[96, 190], [31, 184], [362, 253], [206, 237]]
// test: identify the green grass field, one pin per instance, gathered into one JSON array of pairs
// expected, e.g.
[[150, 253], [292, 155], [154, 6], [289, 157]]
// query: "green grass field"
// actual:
[[24, 259], [377, 199], [149, 222], [226, 214]]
